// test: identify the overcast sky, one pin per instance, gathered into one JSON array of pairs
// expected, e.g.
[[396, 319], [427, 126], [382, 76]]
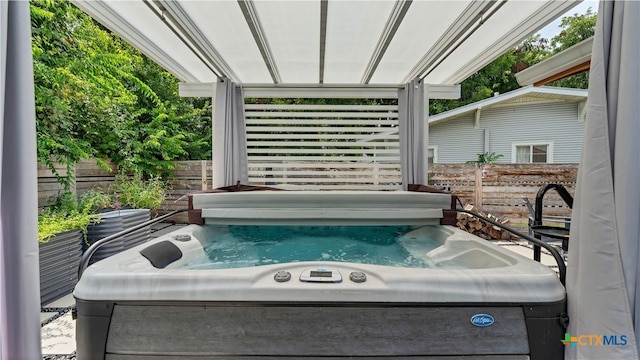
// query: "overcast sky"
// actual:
[[553, 28]]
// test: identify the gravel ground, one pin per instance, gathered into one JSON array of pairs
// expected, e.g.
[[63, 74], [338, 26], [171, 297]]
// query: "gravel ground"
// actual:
[[59, 312], [59, 357]]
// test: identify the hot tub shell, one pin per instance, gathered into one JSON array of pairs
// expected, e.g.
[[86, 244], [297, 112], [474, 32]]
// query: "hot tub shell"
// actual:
[[129, 309]]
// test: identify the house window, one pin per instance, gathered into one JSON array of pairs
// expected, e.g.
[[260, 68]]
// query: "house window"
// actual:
[[535, 152], [432, 155]]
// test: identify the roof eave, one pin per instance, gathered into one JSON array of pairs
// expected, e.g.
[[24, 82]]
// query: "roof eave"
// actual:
[[572, 59], [493, 101]]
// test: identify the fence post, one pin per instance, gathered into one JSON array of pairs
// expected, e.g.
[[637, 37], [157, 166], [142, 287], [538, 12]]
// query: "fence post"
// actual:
[[203, 166], [72, 186], [478, 188]]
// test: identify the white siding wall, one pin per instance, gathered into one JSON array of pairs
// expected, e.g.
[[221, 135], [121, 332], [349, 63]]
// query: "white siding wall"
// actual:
[[553, 121], [458, 141], [556, 122]]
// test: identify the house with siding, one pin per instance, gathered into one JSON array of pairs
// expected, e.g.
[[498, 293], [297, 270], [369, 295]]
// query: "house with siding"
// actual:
[[527, 125]]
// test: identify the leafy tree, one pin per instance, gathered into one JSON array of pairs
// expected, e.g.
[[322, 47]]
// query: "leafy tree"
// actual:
[[77, 86], [498, 76], [575, 28], [169, 127], [96, 96]]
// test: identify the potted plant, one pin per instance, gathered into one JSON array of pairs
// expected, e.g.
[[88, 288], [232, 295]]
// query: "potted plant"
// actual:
[[132, 201], [61, 228]]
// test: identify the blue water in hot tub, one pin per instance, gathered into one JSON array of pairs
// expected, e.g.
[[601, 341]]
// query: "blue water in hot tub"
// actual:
[[248, 245]]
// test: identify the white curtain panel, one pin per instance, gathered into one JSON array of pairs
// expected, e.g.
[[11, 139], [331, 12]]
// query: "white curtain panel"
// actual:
[[522, 154], [412, 125], [229, 136], [19, 278], [602, 274]]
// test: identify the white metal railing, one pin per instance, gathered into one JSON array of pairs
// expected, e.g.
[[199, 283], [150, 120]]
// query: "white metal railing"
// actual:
[[317, 147]]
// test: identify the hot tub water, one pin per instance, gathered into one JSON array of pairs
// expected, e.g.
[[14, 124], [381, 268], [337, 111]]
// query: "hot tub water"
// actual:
[[239, 246]]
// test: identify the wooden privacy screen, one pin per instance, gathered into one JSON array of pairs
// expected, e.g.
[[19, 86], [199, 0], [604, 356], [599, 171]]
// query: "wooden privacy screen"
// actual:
[[315, 147]]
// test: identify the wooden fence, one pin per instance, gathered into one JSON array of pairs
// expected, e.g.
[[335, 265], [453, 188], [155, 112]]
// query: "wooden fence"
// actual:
[[189, 176], [503, 187], [48, 185], [499, 192]]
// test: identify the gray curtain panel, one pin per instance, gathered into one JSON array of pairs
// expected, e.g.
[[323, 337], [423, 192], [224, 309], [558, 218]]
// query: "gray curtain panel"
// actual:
[[602, 273], [412, 127], [19, 278], [229, 135]]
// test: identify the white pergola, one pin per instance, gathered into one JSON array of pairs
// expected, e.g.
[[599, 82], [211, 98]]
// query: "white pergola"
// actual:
[[267, 45], [322, 49]]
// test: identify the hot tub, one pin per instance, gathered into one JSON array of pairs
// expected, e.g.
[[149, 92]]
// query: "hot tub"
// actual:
[[437, 292]]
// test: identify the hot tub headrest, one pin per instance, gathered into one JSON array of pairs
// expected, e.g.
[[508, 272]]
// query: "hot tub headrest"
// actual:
[[161, 254]]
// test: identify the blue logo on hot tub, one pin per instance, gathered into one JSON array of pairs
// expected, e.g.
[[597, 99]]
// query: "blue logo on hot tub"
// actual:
[[482, 320]]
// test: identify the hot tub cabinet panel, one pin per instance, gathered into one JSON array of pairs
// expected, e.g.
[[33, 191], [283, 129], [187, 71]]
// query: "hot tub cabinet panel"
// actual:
[[131, 330], [464, 357]]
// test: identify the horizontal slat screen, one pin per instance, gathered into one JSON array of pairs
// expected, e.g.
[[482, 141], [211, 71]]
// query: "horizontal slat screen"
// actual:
[[386, 136], [316, 147], [300, 107]]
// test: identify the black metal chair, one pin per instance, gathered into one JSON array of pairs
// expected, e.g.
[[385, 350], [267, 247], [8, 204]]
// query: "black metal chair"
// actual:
[[545, 232]]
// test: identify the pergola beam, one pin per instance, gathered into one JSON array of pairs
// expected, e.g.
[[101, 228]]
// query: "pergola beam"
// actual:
[[438, 91], [174, 16], [324, 8], [534, 21], [344, 91], [398, 12], [197, 89], [459, 30], [350, 91], [113, 21], [254, 24]]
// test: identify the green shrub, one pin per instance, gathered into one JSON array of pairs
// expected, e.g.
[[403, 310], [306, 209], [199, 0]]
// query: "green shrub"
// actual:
[[64, 213], [486, 158], [51, 223], [137, 193], [95, 200], [68, 211]]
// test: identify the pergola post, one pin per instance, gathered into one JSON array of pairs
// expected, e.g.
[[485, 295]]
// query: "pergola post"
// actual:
[[425, 147], [432, 91], [202, 90], [213, 125]]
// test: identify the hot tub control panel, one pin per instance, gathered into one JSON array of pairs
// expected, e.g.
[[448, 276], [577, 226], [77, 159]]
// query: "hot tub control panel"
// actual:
[[358, 277], [321, 275], [282, 276]]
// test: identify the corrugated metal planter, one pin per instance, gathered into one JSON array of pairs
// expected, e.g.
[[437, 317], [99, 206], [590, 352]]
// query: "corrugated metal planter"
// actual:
[[113, 222], [59, 260]]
